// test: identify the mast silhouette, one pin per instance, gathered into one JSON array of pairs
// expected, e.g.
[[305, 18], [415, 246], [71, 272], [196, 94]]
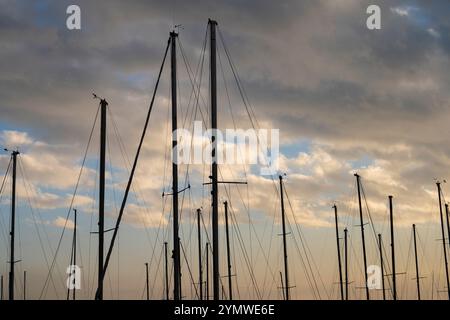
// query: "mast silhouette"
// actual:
[[417, 262], [338, 252], [391, 217], [73, 257], [13, 225], [200, 273], [207, 271], [230, 290], [214, 183], [101, 199], [380, 249], [24, 285], [146, 281], [346, 263], [447, 218], [444, 245], [75, 246], [358, 183], [286, 274], [176, 240]]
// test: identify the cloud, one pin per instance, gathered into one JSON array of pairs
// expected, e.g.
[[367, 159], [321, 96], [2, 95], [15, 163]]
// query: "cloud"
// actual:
[[433, 32], [142, 217], [61, 222], [12, 139], [401, 11], [354, 95]]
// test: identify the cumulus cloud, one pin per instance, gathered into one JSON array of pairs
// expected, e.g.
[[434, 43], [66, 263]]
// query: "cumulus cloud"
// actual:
[[61, 222]]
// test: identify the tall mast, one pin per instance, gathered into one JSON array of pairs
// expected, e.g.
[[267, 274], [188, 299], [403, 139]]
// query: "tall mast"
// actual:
[[417, 262], [24, 285], [380, 248], [73, 257], [391, 217], [338, 252], [13, 226], [358, 183], [166, 266], [207, 271], [101, 209], [286, 274], [346, 263], [443, 239], [214, 190], [1, 287], [200, 273], [74, 246], [146, 282], [176, 240], [447, 218], [228, 251]]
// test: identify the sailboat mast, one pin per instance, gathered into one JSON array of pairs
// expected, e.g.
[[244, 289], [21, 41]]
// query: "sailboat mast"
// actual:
[[147, 289], [214, 183], [101, 209], [358, 183], [176, 241], [391, 217], [74, 247], [438, 184], [13, 225], [24, 285], [73, 255], [286, 274], [200, 273], [228, 251], [346, 263], [338, 252], [417, 262], [448, 223], [207, 271], [380, 248]]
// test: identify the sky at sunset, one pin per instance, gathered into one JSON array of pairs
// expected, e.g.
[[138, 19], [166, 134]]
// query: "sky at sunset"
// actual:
[[344, 98]]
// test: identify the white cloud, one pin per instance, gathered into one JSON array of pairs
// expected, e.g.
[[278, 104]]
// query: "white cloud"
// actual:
[[434, 33], [15, 139], [60, 222], [401, 11]]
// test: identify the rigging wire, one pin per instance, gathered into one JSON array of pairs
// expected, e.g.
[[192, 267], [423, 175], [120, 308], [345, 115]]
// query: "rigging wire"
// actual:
[[116, 229], [70, 206], [27, 189]]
